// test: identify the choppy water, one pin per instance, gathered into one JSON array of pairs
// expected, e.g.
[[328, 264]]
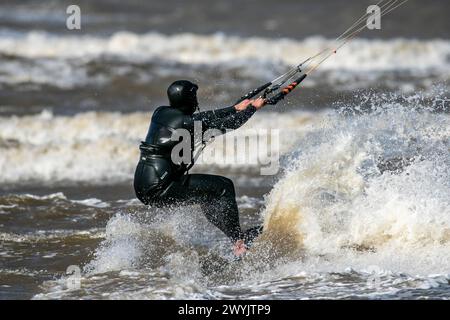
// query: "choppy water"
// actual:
[[340, 222], [359, 209]]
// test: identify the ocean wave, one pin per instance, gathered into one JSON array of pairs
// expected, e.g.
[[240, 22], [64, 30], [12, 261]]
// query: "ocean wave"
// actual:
[[132, 284], [13, 201], [102, 147], [64, 61], [341, 208], [45, 236], [222, 49], [367, 191]]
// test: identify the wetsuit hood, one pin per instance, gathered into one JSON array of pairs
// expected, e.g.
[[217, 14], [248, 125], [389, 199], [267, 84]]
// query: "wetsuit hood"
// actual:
[[183, 96]]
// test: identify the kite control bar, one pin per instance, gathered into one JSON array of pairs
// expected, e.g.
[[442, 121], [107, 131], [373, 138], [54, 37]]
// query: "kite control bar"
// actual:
[[280, 96], [268, 89], [274, 85], [254, 92]]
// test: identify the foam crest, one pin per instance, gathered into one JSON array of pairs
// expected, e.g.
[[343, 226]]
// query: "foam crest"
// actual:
[[220, 48], [63, 61], [102, 147], [349, 201]]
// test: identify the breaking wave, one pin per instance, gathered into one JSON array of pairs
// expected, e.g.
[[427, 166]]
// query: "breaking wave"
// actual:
[[371, 189], [66, 61], [364, 196], [360, 191], [102, 147]]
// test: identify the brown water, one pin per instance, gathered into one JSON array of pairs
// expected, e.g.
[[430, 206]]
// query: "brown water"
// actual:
[[75, 104]]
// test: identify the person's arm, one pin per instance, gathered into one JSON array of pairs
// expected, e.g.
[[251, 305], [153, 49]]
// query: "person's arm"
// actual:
[[213, 118], [236, 120], [218, 113], [229, 118]]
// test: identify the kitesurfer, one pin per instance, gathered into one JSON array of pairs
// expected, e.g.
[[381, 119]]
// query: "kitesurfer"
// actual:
[[162, 182]]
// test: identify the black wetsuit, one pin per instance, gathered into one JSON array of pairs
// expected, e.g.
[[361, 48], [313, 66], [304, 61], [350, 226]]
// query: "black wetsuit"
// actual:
[[160, 182]]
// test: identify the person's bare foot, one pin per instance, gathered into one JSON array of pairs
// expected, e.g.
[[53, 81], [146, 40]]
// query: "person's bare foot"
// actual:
[[239, 248]]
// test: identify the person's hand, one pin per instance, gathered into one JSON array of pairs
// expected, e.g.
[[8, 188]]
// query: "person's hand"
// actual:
[[243, 105], [258, 103]]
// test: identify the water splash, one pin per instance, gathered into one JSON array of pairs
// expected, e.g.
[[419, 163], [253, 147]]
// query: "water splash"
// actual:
[[369, 188]]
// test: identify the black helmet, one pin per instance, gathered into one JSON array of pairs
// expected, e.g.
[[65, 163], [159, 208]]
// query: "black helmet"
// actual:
[[183, 95]]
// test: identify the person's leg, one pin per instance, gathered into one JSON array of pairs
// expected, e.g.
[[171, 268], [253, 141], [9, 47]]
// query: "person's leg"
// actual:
[[221, 208], [216, 196]]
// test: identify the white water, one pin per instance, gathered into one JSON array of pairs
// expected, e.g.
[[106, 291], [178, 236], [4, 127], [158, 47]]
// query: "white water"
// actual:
[[222, 49], [332, 211], [102, 147], [347, 214], [336, 227], [62, 60]]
